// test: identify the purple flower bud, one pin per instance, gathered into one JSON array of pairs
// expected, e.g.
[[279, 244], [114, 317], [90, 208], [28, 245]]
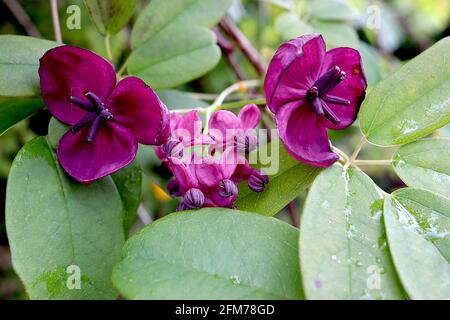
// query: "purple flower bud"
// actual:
[[174, 188], [257, 181], [227, 188], [173, 148], [246, 142], [193, 199]]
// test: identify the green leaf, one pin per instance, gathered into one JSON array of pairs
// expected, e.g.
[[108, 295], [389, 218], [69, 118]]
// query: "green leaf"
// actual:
[[371, 62], [418, 231], [161, 15], [425, 164], [16, 110], [56, 130], [412, 102], [19, 62], [129, 184], [211, 253], [289, 26], [334, 10], [336, 34], [54, 223], [110, 16], [176, 99], [175, 57], [291, 179], [343, 250]]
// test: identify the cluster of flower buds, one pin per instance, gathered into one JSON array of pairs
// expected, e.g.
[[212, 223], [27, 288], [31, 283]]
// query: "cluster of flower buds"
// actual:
[[208, 167]]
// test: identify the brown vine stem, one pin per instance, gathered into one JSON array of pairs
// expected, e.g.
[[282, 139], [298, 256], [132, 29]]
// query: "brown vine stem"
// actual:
[[250, 52], [228, 51], [293, 212], [55, 19], [23, 18]]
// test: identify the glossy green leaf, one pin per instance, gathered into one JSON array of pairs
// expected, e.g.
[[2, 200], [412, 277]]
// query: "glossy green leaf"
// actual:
[[336, 34], [334, 10], [425, 164], [289, 26], [56, 225], [56, 130], [418, 231], [110, 16], [412, 102], [343, 250], [176, 99], [19, 63], [291, 179], [371, 63], [128, 181], [211, 253], [161, 15], [173, 58], [16, 110]]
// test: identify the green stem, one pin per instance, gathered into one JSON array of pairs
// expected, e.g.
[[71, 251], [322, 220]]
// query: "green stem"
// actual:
[[355, 153], [108, 47], [372, 162], [238, 104], [122, 69]]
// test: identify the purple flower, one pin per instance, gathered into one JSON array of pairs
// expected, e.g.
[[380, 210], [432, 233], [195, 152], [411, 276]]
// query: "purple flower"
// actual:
[[108, 120], [309, 90], [229, 130], [185, 132], [204, 182]]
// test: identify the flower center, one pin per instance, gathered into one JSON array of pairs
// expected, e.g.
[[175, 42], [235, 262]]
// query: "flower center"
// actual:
[[318, 94], [96, 113]]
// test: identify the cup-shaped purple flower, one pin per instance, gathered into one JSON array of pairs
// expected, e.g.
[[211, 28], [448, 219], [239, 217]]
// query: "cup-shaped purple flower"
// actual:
[[108, 120], [230, 130], [185, 132], [311, 90]]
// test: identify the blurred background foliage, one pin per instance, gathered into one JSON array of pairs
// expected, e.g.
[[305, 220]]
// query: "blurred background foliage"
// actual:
[[404, 29]]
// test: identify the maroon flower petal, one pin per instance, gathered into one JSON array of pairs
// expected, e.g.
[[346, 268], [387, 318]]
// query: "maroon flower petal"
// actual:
[[249, 116], [183, 175], [189, 127], [114, 148], [294, 68], [137, 107], [208, 172], [223, 121], [352, 88], [71, 71], [304, 137], [220, 201]]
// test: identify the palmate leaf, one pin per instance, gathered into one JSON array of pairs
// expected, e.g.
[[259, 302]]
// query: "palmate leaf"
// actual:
[[171, 42], [128, 181], [161, 15], [412, 102], [54, 223], [343, 248], [418, 231], [15, 110], [291, 179], [211, 253], [110, 16], [175, 56], [425, 164], [19, 63]]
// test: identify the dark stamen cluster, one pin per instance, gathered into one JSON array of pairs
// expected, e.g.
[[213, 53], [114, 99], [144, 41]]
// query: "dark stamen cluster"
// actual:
[[319, 97], [96, 114]]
